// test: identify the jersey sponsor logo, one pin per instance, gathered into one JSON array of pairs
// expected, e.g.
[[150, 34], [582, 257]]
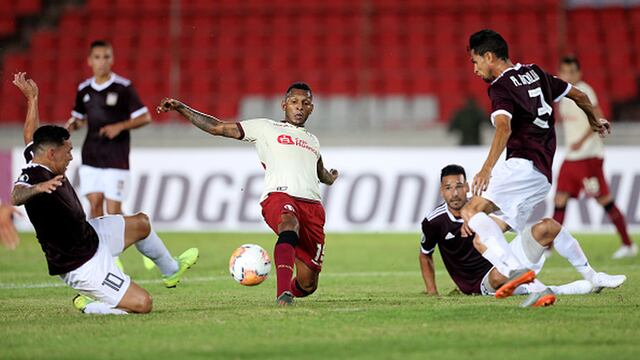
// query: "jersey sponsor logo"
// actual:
[[288, 140], [86, 98], [285, 140], [449, 236], [112, 99]]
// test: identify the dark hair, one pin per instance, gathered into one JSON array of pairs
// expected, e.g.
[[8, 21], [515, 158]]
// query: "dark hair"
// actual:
[[570, 60], [49, 135], [299, 85], [488, 40], [98, 43], [452, 170]]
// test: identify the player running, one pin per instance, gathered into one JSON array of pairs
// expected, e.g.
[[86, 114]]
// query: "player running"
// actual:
[[582, 166], [290, 202], [472, 273], [110, 106], [82, 252], [524, 121]]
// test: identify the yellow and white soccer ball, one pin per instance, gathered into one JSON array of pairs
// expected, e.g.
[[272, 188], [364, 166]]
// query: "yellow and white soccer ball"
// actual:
[[249, 264]]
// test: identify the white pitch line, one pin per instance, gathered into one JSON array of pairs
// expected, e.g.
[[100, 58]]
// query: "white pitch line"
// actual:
[[200, 279]]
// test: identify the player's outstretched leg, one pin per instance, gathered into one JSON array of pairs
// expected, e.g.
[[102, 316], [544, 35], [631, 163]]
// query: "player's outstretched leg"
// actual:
[[305, 282], [135, 300], [138, 231], [569, 248], [497, 249], [284, 256]]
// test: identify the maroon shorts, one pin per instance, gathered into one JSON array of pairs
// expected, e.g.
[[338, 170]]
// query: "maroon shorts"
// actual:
[[310, 215], [587, 175]]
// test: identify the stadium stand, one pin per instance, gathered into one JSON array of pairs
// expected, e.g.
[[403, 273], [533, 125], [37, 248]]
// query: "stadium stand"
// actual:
[[379, 55]]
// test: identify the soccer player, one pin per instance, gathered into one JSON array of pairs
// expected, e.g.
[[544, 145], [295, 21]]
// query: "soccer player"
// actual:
[[83, 252], [8, 234], [462, 258], [110, 106], [291, 205], [582, 166], [524, 121]]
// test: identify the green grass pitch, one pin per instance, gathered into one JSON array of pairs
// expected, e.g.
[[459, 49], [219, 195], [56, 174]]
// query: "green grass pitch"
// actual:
[[369, 305]]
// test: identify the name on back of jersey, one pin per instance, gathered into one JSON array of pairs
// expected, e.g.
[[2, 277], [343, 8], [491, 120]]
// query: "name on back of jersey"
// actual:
[[525, 79]]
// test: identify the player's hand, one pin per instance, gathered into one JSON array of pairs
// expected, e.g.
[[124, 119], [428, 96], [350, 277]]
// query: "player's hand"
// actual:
[[8, 234], [72, 124], [603, 129], [480, 182], [465, 230], [111, 131], [334, 175], [28, 87], [50, 185], [167, 105]]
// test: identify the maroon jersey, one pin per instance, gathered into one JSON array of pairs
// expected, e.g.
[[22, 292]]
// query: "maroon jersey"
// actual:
[[67, 239], [112, 102], [525, 93], [465, 264]]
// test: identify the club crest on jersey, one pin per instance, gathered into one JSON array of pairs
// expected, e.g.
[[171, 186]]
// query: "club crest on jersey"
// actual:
[[285, 139], [23, 178], [112, 99], [288, 207], [86, 98]]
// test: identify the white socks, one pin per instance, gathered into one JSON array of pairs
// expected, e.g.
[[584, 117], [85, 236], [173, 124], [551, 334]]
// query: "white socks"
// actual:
[[153, 248], [98, 307], [569, 248], [498, 251]]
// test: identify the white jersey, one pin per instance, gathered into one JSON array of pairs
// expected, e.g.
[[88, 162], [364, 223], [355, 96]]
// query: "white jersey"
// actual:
[[289, 155], [576, 125]]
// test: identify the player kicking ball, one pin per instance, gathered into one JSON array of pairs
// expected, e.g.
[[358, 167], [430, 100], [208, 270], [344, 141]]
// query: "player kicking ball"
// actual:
[[462, 258], [525, 125], [291, 205], [82, 253]]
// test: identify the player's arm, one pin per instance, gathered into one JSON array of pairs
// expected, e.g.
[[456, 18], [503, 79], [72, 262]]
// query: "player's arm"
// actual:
[[326, 176], [112, 130], [598, 124], [29, 89], [22, 193], [8, 234], [203, 121], [428, 273], [502, 123]]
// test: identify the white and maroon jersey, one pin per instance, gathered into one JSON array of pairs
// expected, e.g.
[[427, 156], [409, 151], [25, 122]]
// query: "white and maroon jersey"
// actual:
[[104, 104], [576, 125], [289, 155], [523, 93]]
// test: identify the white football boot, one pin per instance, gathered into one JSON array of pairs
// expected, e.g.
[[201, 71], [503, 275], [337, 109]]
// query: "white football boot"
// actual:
[[626, 251], [601, 280]]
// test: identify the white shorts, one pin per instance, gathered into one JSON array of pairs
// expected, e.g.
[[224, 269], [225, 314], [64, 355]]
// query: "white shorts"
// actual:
[[100, 278], [113, 183], [516, 187]]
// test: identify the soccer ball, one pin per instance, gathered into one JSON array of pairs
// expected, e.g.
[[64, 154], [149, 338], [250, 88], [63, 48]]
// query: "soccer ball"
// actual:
[[249, 264]]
